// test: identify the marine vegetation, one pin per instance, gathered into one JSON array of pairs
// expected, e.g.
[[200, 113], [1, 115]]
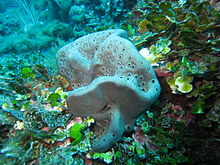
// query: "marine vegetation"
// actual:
[[38, 119]]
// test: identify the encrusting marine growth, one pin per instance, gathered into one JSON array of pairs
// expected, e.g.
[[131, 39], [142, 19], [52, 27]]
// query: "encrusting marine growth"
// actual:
[[111, 82]]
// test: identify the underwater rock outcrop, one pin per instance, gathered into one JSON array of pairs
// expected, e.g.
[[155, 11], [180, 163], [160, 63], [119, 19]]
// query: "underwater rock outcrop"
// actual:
[[111, 82]]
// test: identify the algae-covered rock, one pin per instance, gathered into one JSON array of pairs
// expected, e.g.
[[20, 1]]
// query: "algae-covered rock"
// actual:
[[77, 14]]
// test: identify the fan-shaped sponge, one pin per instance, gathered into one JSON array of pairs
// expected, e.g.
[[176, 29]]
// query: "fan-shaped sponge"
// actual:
[[111, 82]]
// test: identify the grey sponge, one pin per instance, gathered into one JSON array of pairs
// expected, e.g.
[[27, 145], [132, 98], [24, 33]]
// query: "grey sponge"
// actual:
[[111, 82]]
